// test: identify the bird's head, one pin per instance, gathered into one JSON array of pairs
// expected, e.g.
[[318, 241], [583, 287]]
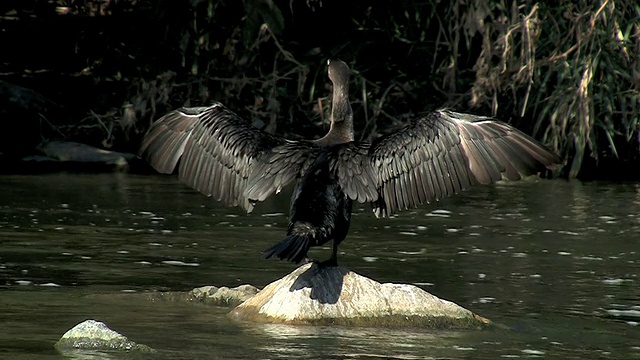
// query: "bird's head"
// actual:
[[338, 73]]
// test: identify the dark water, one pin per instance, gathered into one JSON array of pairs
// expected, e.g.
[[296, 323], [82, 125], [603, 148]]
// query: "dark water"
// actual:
[[557, 261]]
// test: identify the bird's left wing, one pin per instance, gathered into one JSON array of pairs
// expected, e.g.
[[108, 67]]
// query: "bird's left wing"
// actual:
[[222, 155]]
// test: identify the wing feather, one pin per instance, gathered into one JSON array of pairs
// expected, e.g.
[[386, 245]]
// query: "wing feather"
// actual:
[[278, 167], [437, 155], [222, 155]]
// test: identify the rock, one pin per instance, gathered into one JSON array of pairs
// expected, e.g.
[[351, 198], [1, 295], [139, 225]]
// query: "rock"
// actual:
[[73, 156], [78, 152], [95, 335], [335, 295], [211, 295], [224, 296]]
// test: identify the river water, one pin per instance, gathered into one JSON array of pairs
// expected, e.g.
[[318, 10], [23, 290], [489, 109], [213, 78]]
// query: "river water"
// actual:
[[556, 261]]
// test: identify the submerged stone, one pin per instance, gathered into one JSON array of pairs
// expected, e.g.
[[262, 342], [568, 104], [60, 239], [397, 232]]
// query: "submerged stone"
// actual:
[[312, 294], [96, 335], [210, 295], [224, 296], [71, 155]]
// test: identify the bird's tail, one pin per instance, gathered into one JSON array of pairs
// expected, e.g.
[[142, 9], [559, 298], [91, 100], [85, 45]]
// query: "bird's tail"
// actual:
[[293, 248]]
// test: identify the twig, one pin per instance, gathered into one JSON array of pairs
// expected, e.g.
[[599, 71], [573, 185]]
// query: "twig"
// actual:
[[365, 102]]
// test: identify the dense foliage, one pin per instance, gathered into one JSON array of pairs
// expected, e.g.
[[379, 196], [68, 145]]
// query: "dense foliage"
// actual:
[[566, 72]]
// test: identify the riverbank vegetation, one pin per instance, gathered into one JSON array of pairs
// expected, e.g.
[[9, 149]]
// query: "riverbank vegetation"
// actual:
[[99, 71]]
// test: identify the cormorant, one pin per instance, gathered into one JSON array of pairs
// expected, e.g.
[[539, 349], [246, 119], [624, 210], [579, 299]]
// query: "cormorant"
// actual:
[[436, 155]]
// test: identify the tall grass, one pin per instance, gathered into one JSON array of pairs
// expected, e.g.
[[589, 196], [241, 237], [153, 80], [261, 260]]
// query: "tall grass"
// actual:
[[567, 72], [572, 68]]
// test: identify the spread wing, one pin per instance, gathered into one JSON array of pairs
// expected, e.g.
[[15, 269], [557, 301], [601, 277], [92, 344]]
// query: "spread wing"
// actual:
[[278, 167], [437, 155], [222, 155]]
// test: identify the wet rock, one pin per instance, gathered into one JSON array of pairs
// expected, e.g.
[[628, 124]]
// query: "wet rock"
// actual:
[[224, 296], [211, 295], [73, 152], [95, 335], [335, 295]]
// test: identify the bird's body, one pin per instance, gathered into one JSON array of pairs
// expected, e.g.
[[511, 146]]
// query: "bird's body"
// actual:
[[436, 155], [320, 211]]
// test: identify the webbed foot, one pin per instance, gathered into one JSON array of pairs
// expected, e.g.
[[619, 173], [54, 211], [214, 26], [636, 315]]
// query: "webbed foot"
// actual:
[[331, 262]]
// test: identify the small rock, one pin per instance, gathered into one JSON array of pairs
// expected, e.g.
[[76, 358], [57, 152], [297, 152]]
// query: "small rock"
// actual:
[[95, 335], [335, 295], [201, 293], [78, 152], [224, 296]]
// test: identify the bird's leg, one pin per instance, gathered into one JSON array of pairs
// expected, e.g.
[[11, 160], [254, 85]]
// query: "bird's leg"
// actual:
[[333, 260]]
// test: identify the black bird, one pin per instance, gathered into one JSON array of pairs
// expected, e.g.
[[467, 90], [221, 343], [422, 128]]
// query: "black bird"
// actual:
[[436, 155]]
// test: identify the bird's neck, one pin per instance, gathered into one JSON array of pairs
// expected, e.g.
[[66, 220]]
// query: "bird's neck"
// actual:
[[341, 130]]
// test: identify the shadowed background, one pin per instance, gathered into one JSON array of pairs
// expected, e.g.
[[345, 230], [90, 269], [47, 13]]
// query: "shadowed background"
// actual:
[[99, 71]]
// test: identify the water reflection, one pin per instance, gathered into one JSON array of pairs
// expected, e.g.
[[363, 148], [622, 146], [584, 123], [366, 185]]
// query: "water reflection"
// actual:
[[288, 341], [557, 261]]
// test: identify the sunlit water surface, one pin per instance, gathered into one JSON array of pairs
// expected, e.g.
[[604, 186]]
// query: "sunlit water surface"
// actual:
[[556, 261]]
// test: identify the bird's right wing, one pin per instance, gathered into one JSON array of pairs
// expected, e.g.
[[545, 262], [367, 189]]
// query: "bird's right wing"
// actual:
[[437, 155], [221, 154]]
